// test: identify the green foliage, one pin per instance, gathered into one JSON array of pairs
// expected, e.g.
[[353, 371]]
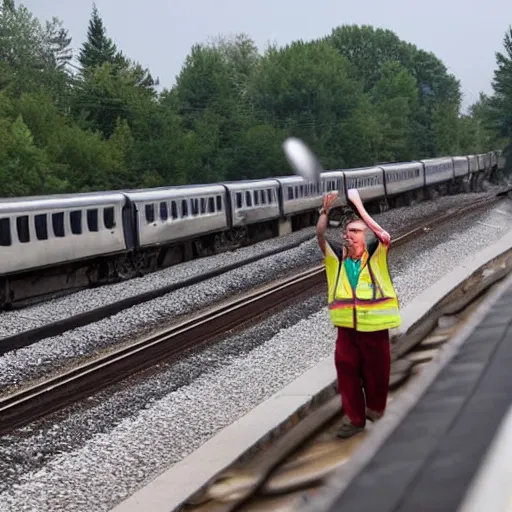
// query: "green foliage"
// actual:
[[489, 123], [358, 96], [98, 49]]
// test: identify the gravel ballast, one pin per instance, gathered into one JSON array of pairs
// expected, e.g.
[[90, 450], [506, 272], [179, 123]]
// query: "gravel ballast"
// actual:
[[95, 454]]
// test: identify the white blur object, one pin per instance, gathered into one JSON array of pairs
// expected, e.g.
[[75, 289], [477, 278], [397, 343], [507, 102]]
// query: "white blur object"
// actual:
[[302, 159]]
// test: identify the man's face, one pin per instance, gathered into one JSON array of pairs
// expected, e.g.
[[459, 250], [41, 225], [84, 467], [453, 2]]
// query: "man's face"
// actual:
[[354, 234]]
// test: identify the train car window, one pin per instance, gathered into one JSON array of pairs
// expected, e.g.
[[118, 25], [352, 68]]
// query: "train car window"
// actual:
[[58, 224], [248, 199], [22, 228], [238, 199], [92, 220], [109, 218], [164, 213], [195, 206], [290, 192], [150, 213], [5, 232], [184, 208], [76, 222], [219, 203], [211, 205], [256, 198], [269, 195], [174, 210], [203, 205], [41, 223], [262, 197]]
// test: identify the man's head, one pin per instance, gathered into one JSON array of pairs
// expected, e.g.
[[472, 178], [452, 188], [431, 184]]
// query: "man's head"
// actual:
[[354, 234]]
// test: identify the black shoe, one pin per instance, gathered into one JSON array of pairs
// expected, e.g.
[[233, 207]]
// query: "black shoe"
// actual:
[[373, 417], [348, 430]]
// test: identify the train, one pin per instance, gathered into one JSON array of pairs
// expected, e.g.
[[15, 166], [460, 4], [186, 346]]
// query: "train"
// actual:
[[58, 242]]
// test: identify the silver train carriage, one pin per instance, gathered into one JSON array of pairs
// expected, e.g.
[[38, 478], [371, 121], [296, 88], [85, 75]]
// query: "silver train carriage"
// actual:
[[369, 182], [473, 163], [500, 159], [403, 177], [334, 181], [460, 166], [37, 232], [253, 201], [438, 170], [481, 161], [299, 195], [165, 215], [492, 158]]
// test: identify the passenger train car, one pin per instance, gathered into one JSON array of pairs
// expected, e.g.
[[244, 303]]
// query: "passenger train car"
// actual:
[[52, 243]]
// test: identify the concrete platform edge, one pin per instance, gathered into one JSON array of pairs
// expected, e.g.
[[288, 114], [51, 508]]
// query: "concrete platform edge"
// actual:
[[399, 409], [274, 416]]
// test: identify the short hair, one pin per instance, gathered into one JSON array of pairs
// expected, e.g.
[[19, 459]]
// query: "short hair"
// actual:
[[350, 217]]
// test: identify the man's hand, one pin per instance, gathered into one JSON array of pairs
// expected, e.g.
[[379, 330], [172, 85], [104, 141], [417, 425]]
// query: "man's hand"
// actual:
[[329, 199], [385, 237]]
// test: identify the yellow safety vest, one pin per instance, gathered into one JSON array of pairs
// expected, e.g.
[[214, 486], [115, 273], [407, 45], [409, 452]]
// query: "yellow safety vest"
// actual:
[[373, 304]]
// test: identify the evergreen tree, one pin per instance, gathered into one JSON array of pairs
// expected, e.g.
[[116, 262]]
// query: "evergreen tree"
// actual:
[[98, 49], [58, 43], [501, 103], [8, 5]]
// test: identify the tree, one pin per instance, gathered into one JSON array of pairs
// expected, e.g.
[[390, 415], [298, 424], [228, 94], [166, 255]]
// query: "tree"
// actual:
[[8, 5], [58, 43], [32, 57], [98, 49], [368, 49], [395, 97], [359, 96], [309, 90], [501, 103]]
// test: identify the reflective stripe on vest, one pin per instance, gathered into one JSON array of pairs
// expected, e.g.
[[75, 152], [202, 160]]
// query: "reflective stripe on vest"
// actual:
[[374, 305]]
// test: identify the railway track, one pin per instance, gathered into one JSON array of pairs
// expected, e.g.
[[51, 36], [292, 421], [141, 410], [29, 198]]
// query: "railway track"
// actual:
[[296, 466], [56, 328], [32, 401]]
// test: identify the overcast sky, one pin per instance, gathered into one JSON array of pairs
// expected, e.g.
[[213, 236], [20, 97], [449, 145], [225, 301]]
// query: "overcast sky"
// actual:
[[159, 33]]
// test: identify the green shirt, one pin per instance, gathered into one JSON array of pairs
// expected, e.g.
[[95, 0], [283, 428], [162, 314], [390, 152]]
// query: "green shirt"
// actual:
[[353, 268]]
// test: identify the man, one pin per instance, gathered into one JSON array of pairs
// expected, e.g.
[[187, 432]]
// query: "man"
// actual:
[[363, 306]]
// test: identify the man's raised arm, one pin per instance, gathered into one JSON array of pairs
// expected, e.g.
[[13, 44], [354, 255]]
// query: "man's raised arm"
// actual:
[[381, 234], [323, 221], [321, 228]]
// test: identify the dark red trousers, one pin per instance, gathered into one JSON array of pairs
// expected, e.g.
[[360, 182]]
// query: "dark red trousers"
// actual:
[[362, 363]]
